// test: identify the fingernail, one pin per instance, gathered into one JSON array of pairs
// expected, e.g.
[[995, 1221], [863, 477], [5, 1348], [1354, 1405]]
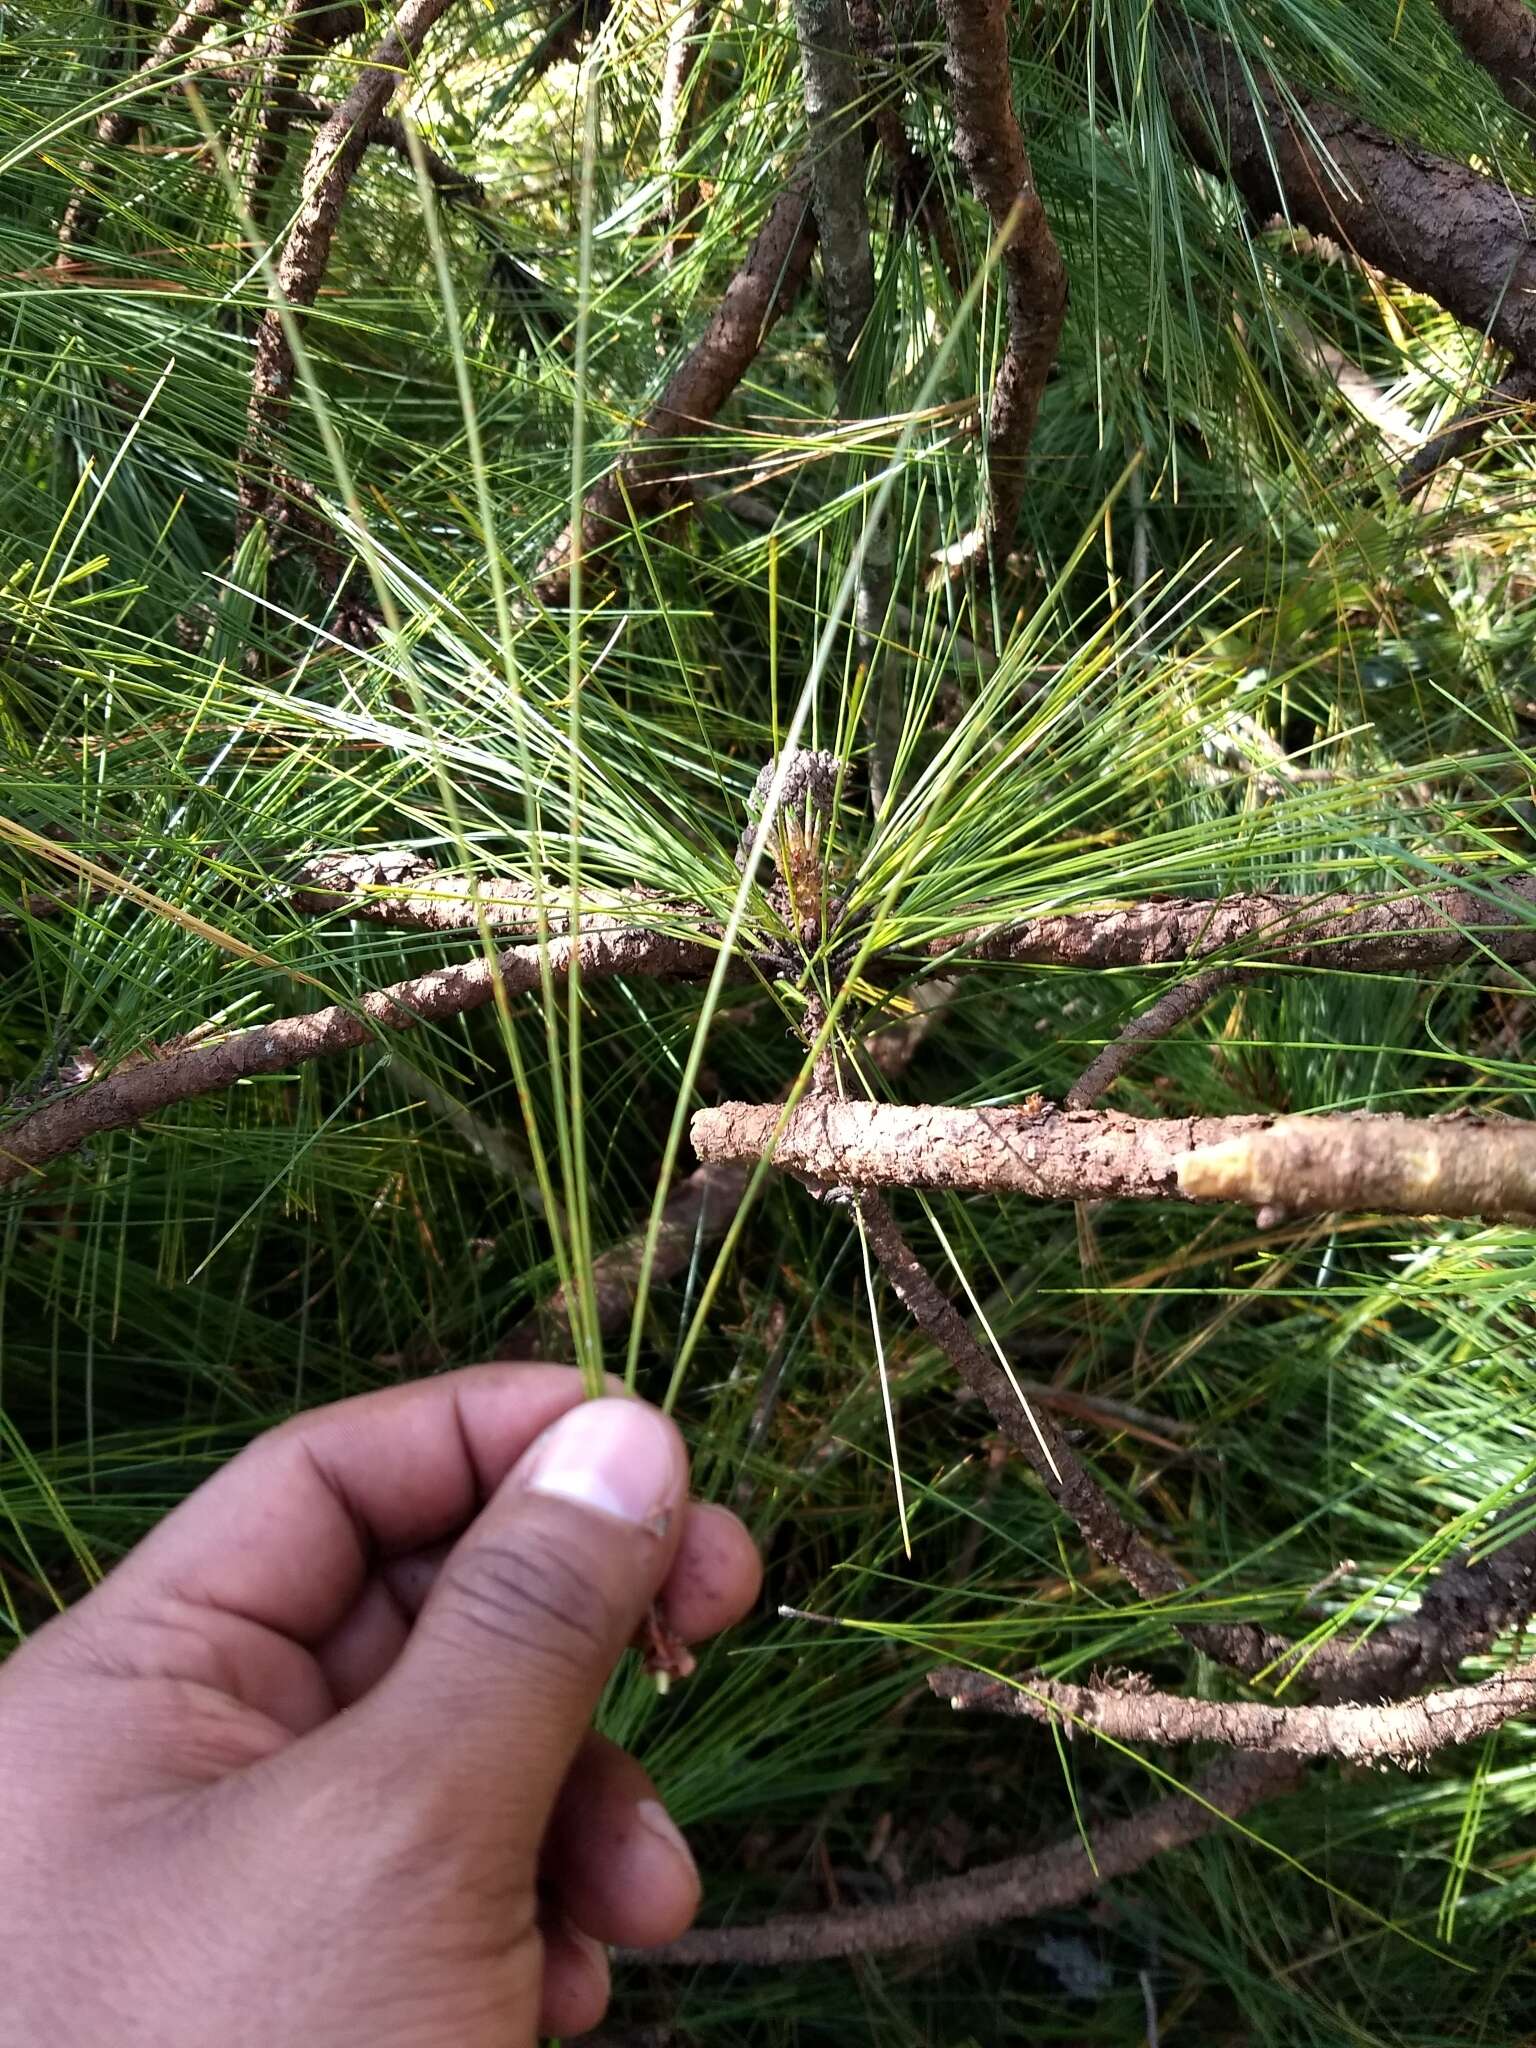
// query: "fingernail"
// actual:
[[617, 1456], [656, 1820]]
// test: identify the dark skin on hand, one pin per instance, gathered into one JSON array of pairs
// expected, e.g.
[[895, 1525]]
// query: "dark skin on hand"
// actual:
[[315, 1764]]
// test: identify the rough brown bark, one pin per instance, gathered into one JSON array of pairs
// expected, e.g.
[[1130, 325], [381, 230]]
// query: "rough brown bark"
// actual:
[[1500, 35], [990, 146], [1454, 1166], [1465, 1608], [1307, 1166], [1017, 1889], [1460, 436], [334, 156], [653, 476], [1433, 223], [132, 1093], [1406, 1731], [117, 128], [1243, 1646], [1359, 934], [1172, 1009]]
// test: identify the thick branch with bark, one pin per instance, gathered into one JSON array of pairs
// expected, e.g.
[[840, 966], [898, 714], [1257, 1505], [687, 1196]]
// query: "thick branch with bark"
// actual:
[[652, 477], [1429, 221], [1307, 1166], [698, 1213], [1402, 1166], [1018, 1889], [1406, 1731], [990, 146], [1390, 934], [133, 1092]]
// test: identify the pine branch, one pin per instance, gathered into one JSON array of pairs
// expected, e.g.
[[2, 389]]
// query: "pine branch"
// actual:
[[1405, 1731], [686, 35], [990, 146], [1183, 1001], [1242, 1645], [1459, 436], [1434, 224], [648, 479], [302, 35], [1313, 1165], [1500, 35], [1310, 1166], [117, 127], [1387, 934], [334, 157], [699, 1212], [133, 1092], [1020, 1888]]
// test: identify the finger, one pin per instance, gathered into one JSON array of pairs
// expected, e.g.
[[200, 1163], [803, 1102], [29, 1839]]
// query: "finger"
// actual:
[[286, 1534], [576, 1983], [716, 1576], [715, 1579], [619, 1865], [524, 1624]]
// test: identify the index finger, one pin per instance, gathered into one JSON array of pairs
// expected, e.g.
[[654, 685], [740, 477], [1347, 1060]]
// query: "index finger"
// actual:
[[286, 1534]]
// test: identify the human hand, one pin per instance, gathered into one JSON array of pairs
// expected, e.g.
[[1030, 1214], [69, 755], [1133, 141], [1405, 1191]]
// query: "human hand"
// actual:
[[314, 1764]]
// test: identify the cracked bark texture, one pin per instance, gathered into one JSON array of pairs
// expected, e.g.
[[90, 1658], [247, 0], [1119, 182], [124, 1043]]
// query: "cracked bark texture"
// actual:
[[653, 476], [1454, 1166], [130, 1094], [1431, 222], [990, 146], [1395, 933], [1405, 1731]]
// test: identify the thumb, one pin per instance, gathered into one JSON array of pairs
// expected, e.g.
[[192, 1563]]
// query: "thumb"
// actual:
[[495, 1689]]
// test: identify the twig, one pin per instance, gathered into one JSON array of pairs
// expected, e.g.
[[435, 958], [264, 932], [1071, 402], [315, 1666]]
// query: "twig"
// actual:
[[132, 1093], [1396, 934], [334, 156], [647, 480], [848, 270], [1185, 1000], [686, 35], [1396, 1165], [1242, 1645], [1017, 1889], [698, 1212], [991, 148], [302, 34], [117, 128], [1465, 240], [1466, 431], [1407, 1731]]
